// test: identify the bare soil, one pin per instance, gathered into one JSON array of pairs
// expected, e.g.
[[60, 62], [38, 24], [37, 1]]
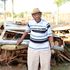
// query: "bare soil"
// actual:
[[64, 66], [18, 67]]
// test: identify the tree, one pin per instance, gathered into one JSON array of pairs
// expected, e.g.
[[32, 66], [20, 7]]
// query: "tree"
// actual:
[[13, 9], [4, 9], [59, 3]]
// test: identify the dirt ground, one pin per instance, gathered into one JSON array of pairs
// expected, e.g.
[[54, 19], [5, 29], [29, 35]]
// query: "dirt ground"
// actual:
[[18, 67], [65, 66]]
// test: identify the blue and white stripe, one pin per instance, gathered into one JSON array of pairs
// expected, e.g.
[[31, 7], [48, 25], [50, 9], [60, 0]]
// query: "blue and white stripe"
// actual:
[[39, 31]]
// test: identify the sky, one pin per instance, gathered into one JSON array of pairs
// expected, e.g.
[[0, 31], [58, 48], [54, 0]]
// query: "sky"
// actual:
[[44, 5], [28, 5], [65, 8]]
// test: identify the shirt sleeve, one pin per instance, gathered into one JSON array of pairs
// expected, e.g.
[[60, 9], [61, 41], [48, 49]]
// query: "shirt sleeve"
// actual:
[[27, 29], [49, 30]]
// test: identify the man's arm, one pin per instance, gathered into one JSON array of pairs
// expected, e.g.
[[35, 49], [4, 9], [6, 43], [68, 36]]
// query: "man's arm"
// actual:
[[22, 38], [51, 41]]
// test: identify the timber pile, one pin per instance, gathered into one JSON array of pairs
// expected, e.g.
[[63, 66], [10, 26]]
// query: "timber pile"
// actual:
[[61, 56], [10, 54]]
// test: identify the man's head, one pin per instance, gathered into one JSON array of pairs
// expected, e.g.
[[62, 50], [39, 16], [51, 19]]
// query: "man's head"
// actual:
[[36, 14]]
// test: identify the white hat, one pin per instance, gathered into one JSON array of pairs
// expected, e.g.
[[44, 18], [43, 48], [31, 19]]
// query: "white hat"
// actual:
[[35, 10]]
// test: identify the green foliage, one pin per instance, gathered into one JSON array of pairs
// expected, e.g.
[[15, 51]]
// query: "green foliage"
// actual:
[[14, 15], [60, 2], [67, 0], [21, 15]]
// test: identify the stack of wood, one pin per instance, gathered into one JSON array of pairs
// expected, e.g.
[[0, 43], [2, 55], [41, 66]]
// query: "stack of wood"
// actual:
[[61, 56], [9, 53]]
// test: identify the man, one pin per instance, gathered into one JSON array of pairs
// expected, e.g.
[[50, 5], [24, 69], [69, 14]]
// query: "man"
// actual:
[[40, 41]]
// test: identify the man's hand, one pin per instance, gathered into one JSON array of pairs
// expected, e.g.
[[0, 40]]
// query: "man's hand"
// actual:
[[51, 41], [51, 44], [18, 42], [22, 38]]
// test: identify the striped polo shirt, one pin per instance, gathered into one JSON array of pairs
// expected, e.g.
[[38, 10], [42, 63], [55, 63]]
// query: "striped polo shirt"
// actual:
[[39, 33]]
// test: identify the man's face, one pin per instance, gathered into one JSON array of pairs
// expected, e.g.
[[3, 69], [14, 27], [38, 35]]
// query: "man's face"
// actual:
[[37, 16]]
